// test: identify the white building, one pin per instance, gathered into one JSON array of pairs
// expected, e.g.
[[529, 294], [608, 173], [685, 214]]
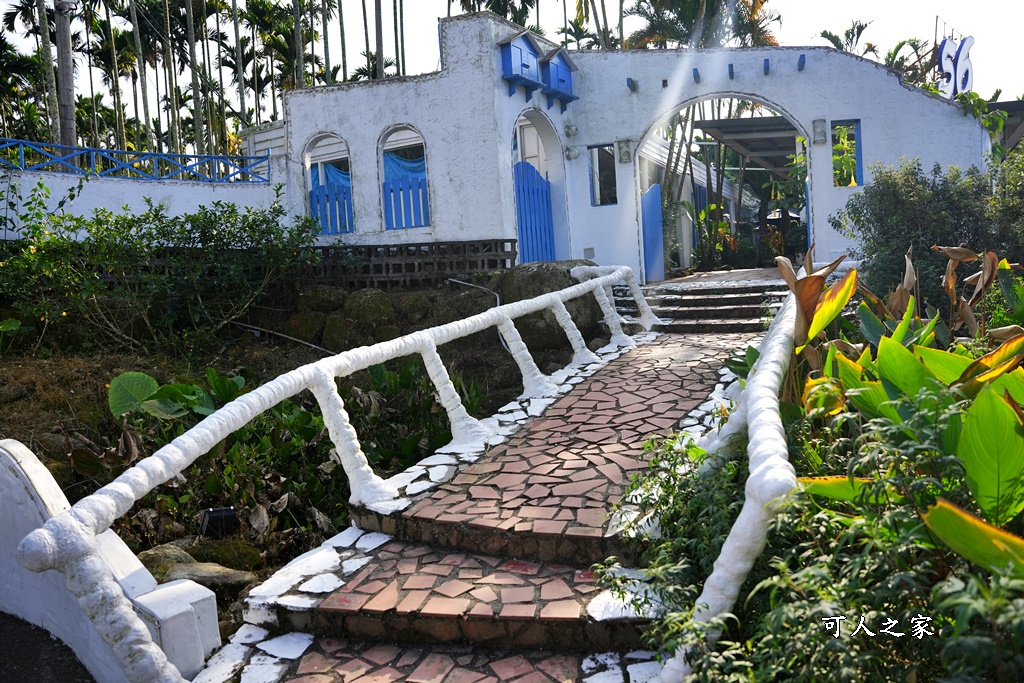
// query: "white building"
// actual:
[[585, 119]]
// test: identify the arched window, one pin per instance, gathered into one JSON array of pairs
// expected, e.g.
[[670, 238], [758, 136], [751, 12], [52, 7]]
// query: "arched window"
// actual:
[[404, 190], [330, 185]]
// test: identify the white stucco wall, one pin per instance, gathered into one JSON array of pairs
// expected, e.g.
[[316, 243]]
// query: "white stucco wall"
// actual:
[[115, 193], [467, 118]]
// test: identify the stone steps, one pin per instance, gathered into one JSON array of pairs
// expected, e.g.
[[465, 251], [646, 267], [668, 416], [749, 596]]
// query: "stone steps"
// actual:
[[709, 307], [483, 569]]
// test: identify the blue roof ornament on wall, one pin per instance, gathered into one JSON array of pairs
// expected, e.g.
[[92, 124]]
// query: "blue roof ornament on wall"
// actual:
[[520, 63], [556, 71]]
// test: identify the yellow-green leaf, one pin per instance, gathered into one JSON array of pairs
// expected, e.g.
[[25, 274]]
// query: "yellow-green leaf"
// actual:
[[991, 447], [947, 367], [1010, 351], [840, 487], [831, 305], [973, 538]]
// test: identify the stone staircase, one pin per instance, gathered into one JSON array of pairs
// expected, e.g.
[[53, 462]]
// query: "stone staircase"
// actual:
[[484, 575], [692, 308]]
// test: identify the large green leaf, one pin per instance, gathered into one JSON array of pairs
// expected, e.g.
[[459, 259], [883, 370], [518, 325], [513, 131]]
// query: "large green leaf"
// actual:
[[830, 306], [871, 326], [840, 487], [1013, 292], [901, 330], [947, 367], [976, 540], [866, 396], [128, 390], [900, 367], [992, 450]]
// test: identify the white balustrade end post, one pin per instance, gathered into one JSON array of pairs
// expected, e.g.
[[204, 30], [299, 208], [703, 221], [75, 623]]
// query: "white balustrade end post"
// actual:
[[535, 383], [466, 429], [366, 486]]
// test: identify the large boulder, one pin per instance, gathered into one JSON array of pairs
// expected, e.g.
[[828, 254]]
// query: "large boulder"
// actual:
[[225, 582], [541, 331], [341, 333], [304, 325], [370, 309], [323, 298]]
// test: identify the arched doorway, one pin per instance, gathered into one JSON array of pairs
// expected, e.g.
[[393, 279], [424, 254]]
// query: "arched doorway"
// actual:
[[329, 179], [718, 165], [539, 188]]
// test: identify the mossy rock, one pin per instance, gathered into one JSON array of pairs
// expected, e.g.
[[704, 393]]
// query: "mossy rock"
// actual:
[[305, 325], [160, 559], [415, 307], [341, 333], [370, 308], [232, 553], [541, 331], [323, 298], [386, 333]]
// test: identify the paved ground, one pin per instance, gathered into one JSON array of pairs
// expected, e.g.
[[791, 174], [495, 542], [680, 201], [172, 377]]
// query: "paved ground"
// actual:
[[486, 577], [28, 653]]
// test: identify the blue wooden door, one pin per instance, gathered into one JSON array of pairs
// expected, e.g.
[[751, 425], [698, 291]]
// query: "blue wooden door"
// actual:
[[533, 214], [331, 206], [654, 242]]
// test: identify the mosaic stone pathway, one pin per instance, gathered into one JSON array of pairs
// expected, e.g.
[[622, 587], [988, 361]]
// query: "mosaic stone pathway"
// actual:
[[485, 577], [547, 493]]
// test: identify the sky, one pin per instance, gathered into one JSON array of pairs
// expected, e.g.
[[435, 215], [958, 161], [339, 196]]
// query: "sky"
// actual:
[[996, 29]]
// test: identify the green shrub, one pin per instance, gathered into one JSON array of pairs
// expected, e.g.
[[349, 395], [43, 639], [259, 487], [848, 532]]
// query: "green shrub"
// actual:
[[131, 280], [905, 207]]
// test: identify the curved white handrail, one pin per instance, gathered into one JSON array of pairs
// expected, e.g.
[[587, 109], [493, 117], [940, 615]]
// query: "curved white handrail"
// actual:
[[67, 542], [771, 476]]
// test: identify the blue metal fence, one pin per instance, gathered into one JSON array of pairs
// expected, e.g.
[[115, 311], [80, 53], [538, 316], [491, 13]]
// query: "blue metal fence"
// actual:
[[405, 203], [204, 168], [331, 205], [654, 240], [533, 214]]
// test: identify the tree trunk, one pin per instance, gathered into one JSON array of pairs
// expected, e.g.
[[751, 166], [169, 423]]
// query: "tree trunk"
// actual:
[[344, 48], [169, 84], [88, 19], [197, 95], [401, 21], [66, 75], [239, 68], [115, 83], [366, 37], [398, 45], [48, 79], [220, 88], [299, 75], [140, 62], [327, 50], [377, 17]]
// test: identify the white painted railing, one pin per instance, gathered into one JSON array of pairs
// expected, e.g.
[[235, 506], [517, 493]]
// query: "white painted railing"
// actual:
[[771, 478], [67, 542]]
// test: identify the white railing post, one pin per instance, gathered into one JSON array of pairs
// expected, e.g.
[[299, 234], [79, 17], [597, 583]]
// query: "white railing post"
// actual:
[[365, 485], [647, 318], [581, 355], [611, 319], [466, 429], [535, 383]]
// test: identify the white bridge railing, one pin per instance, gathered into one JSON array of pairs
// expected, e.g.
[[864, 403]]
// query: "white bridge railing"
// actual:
[[67, 542]]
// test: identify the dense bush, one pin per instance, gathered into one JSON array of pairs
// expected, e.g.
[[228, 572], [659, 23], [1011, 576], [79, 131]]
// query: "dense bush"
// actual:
[[907, 208], [131, 280], [901, 557]]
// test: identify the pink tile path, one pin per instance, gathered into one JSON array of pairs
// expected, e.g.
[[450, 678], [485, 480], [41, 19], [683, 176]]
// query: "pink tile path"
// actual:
[[547, 493]]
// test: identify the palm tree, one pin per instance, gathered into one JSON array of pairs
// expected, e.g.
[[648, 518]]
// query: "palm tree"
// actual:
[[16, 72], [141, 60], [850, 42], [47, 64], [197, 125], [365, 73], [916, 66]]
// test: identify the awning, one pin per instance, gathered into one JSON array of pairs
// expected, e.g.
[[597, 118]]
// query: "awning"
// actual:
[[767, 141]]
